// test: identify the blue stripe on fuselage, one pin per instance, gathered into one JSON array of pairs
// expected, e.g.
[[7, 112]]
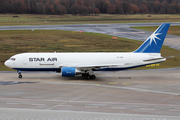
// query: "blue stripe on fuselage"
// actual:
[[58, 69], [37, 69]]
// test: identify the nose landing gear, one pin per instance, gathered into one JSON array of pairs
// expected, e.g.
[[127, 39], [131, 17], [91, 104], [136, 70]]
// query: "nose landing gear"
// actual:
[[19, 72]]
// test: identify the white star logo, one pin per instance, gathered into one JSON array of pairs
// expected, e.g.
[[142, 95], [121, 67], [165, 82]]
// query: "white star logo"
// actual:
[[153, 37]]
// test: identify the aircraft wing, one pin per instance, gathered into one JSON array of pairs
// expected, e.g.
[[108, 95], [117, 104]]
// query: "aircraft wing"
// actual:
[[91, 66], [100, 65]]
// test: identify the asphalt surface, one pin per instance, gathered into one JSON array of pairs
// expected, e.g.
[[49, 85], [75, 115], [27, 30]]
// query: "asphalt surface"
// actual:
[[120, 30], [135, 94]]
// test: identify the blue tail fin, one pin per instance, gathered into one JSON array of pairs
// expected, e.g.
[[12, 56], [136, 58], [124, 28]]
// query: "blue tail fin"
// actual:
[[154, 43]]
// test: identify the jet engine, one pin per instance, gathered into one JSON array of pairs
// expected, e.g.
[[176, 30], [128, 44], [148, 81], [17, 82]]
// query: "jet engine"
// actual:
[[69, 71]]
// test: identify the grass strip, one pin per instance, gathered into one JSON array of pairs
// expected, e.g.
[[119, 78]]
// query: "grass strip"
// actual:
[[19, 41], [34, 19]]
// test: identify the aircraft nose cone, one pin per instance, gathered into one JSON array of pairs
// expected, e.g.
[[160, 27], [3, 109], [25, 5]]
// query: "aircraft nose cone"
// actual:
[[6, 63]]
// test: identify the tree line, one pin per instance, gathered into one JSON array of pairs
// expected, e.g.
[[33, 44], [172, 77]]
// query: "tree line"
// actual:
[[90, 7]]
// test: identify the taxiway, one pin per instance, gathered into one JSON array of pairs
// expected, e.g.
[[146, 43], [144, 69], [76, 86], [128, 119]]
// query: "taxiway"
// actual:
[[135, 93]]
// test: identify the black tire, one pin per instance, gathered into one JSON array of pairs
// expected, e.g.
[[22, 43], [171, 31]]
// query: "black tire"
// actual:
[[93, 77], [88, 77], [84, 75], [20, 76]]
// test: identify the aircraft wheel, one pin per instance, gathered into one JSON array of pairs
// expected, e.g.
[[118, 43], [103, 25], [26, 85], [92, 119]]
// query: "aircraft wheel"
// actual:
[[93, 77], [83, 75], [20, 76], [88, 77]]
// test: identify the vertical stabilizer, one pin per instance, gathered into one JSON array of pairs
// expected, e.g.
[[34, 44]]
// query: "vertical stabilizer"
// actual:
[[154, 43]]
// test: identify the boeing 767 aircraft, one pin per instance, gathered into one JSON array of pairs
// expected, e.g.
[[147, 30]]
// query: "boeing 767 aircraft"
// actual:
[[71, 64]]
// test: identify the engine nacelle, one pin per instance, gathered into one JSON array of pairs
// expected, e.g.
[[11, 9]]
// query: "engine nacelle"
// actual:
[[69, 71]]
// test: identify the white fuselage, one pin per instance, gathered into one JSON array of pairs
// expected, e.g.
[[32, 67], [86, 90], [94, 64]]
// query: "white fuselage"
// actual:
[[70, 64], [54, 61]]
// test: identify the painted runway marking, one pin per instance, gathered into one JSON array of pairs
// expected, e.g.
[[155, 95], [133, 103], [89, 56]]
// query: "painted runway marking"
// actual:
[[39, 104], [93, 102], [96, 104], [92, 106], [108, 86], [65, 105], [113, 83], [19, 114], [140, 105], [126, 83], [119, 108], [146, 109], [174, 110], [127, 32], [13, 103]]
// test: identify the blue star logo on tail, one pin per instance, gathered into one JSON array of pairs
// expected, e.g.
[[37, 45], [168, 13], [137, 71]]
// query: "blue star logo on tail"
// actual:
[[153, 37], [154, 42]]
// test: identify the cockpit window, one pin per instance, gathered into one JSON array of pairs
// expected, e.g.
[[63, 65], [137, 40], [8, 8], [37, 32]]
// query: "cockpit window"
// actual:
[[13, 59]]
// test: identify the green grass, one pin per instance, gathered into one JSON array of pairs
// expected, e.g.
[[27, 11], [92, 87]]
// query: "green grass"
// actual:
[[34, 19], [19, 41]]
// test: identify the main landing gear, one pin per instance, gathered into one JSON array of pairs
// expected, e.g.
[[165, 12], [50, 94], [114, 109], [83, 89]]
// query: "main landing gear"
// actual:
[[19, 72], [89, 75]]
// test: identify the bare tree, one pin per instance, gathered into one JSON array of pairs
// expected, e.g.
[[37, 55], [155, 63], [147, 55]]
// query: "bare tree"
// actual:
[[143, 9]]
